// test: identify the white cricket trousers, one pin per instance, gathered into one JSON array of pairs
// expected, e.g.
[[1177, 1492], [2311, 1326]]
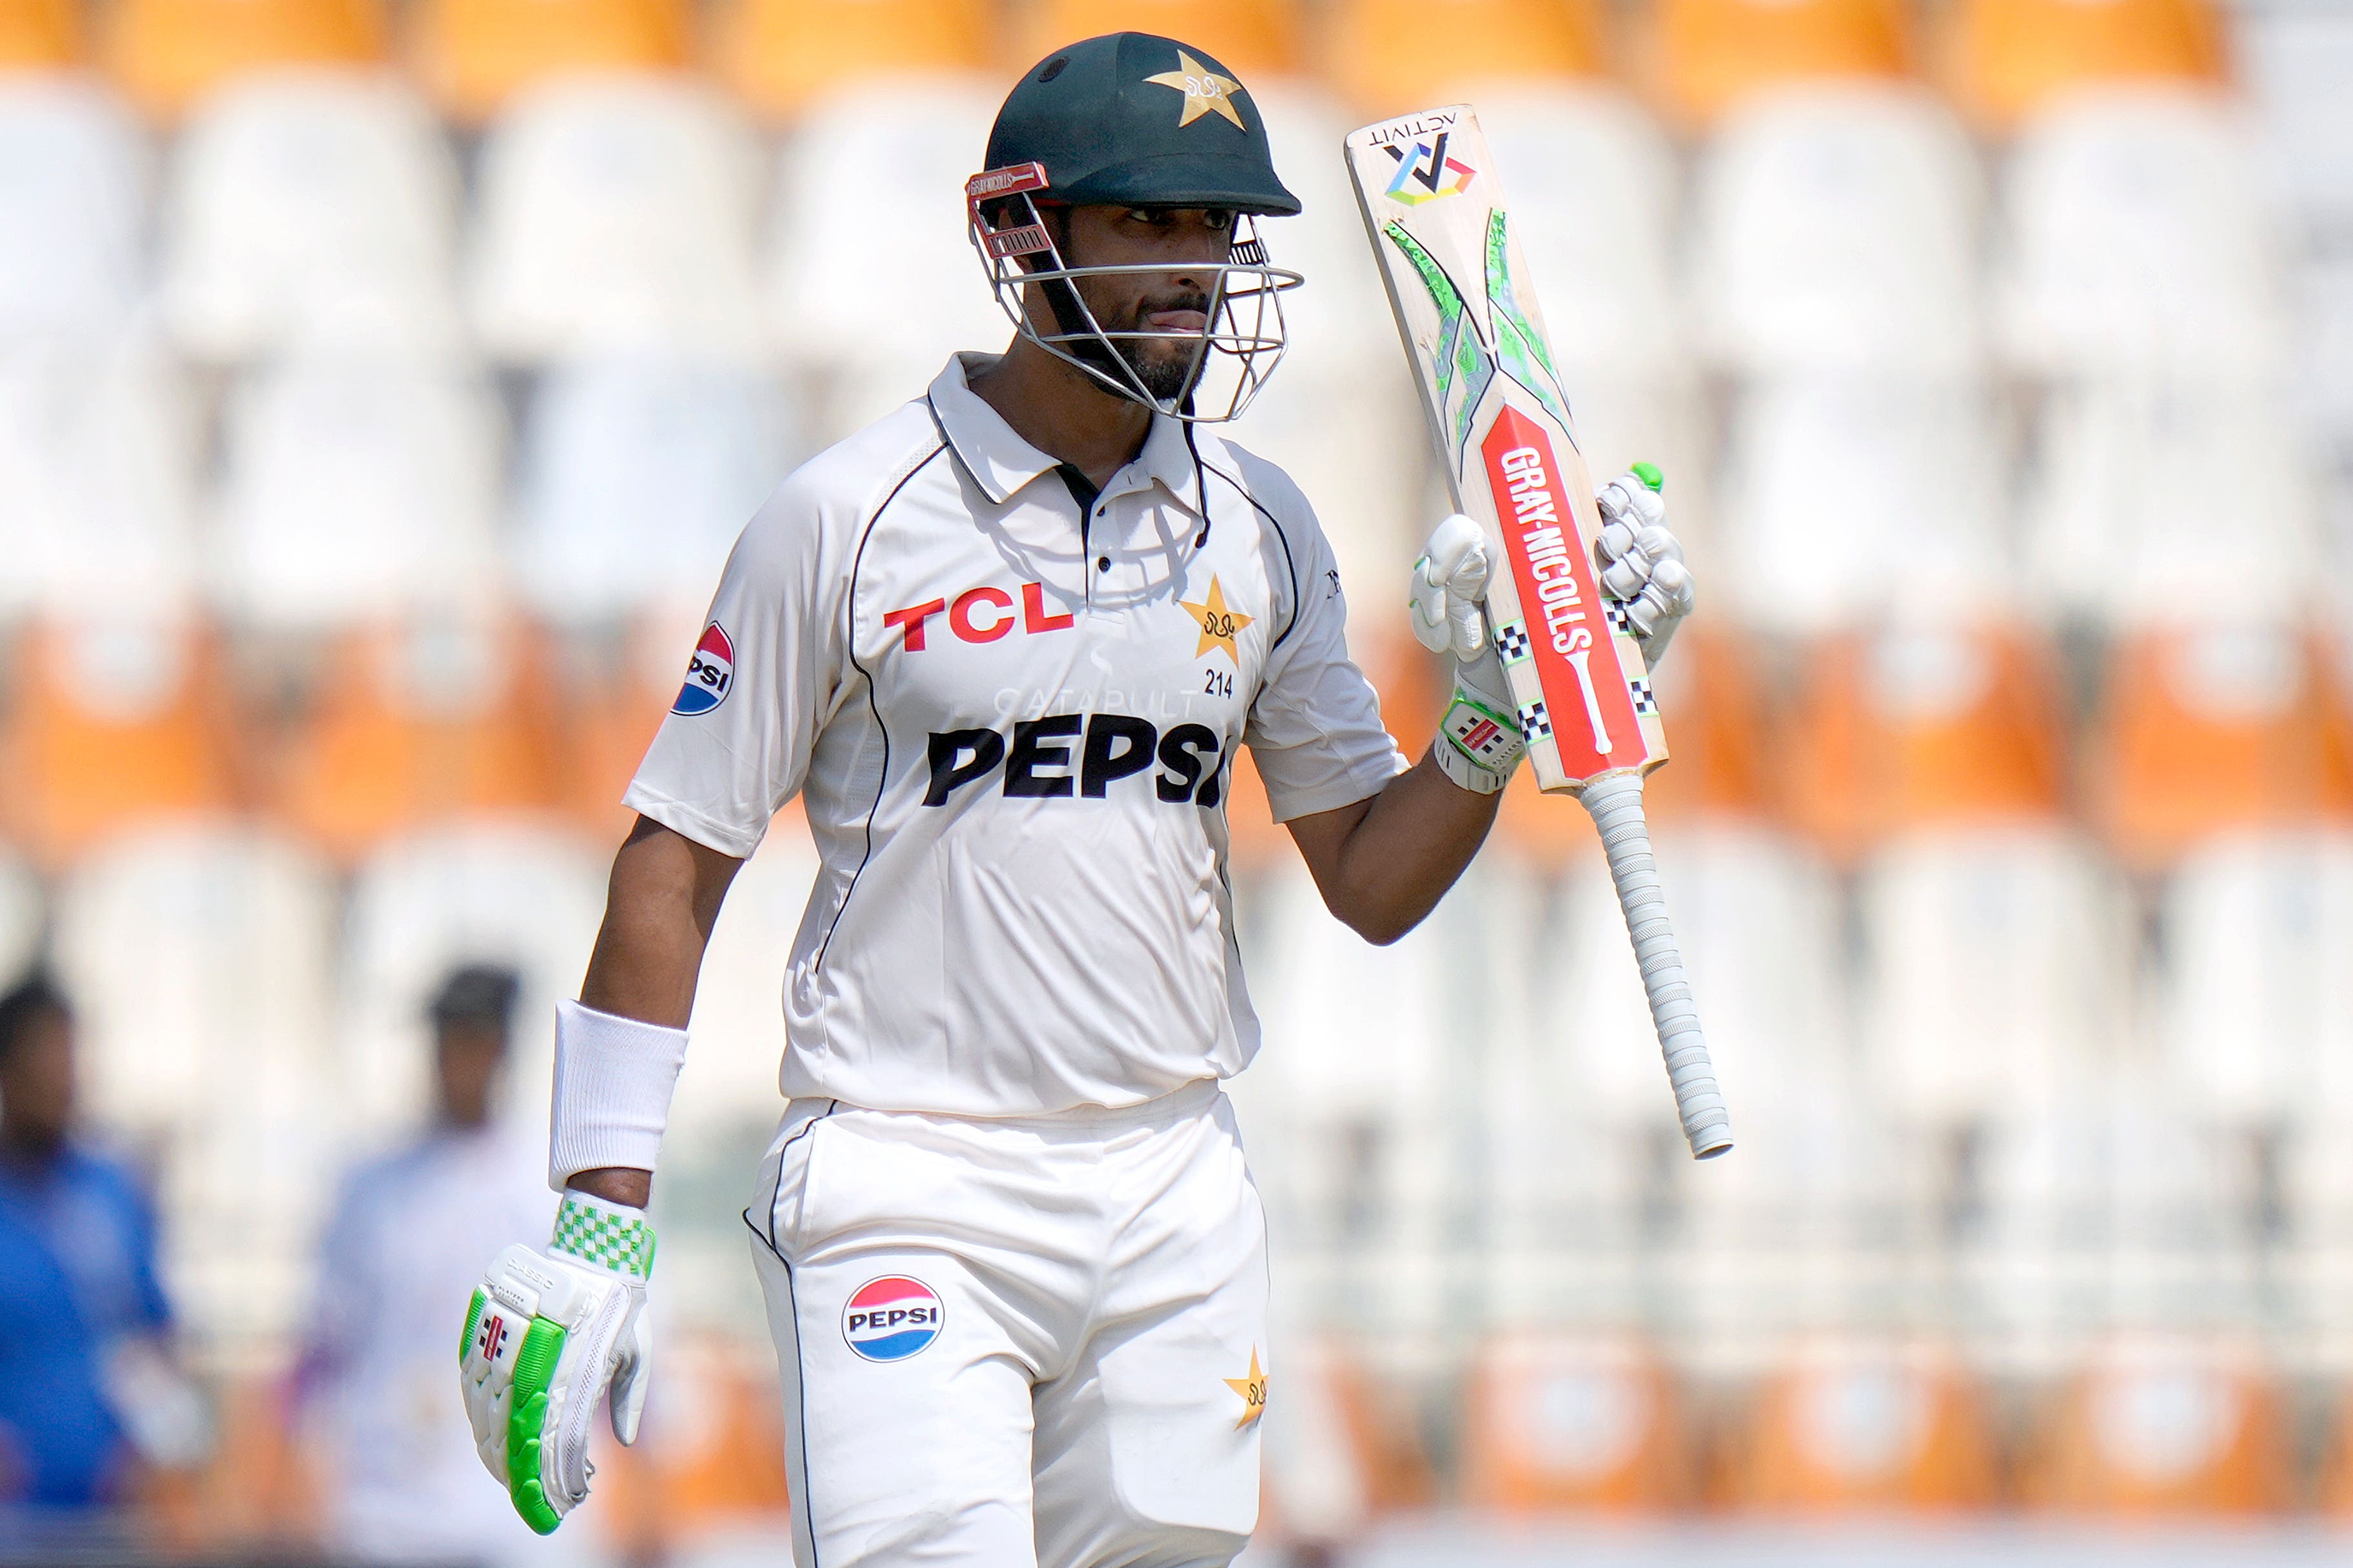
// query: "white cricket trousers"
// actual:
[[1006, 1343]]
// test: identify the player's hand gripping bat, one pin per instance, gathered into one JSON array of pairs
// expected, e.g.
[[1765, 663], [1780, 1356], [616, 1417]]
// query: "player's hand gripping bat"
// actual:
[[1436, 217]]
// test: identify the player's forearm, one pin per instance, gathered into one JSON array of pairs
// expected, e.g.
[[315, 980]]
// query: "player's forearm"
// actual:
[[1383, 864]]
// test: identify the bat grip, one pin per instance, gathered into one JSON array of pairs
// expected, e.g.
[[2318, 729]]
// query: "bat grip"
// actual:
[[1616, 803]]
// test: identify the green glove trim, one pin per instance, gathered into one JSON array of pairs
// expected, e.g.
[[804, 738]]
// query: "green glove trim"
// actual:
[[605, 1237], [473, 1322], [527, 1423], [1650, 475]]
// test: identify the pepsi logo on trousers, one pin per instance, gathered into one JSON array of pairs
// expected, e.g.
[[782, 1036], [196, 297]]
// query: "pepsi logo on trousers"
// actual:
[[892, 1318], [709, 673]]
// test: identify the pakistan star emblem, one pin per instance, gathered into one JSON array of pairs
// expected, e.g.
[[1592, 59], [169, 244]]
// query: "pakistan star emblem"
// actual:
[[1205, 92], [1253, 1390], [1217, 623]]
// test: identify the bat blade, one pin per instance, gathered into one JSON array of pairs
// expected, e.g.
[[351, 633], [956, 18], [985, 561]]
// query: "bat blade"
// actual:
[[1434, 210]]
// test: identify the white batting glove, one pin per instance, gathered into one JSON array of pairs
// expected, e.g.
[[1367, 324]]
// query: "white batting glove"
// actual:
[[1639, 562], [1479, 743], [547, 1333]]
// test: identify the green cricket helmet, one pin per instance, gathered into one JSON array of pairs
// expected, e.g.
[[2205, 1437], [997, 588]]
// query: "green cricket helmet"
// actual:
[[1132, 120]]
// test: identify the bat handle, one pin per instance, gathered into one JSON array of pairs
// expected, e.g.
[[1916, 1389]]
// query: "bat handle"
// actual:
[[1616, 803]]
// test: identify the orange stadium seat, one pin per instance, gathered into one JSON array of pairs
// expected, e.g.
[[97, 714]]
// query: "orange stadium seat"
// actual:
[[2214, 728], [476, 54], [166, 54], [2013, 56], [408, 727], [609, 702], [112, 726], [722, 1468], [1851, 1425], [779, 53], [2158, 1427], [1568, 1421], [1254, 37], [1713, 52], [1345, 1453], [35, 34], [1925, 729], [1391, 55]]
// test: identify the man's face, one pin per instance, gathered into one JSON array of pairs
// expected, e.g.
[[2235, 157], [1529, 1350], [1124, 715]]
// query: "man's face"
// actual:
[[36, 1085], [466, 1058], [1190, 243]]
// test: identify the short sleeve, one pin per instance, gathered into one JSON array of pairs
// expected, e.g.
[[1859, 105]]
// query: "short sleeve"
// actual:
[[1315, 725], [760, 683]]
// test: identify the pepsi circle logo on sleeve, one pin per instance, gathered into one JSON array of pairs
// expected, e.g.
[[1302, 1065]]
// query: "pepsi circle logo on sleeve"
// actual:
[[892, 1318], [709, 673]]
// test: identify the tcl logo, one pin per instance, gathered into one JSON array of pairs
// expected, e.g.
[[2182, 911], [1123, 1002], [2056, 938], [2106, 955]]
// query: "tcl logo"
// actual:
[[979, 615], [1064, 755]]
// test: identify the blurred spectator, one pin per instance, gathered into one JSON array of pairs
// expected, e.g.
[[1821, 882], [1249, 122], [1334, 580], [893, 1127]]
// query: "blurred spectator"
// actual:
[[377, 1379], [88, 1387]]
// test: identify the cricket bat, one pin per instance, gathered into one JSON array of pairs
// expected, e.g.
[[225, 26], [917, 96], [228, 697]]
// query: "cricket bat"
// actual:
[[1435, 213]]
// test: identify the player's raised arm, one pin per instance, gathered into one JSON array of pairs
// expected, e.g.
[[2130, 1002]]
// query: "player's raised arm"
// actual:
[[1383, 863]]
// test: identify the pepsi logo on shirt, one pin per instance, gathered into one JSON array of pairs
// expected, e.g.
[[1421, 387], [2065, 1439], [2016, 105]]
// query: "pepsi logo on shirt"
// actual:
[[892, 1318], [709, 673]]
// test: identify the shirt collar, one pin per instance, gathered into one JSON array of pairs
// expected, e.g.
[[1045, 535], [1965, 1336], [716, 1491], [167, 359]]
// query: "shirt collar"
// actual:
[[1001, 462]]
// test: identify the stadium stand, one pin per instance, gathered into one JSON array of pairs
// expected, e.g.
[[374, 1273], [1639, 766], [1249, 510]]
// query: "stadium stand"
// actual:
[[616, 214], [1860, 1425], [2159, 1425], [39, 34], [2015, 58], [477, 56], [166, 55], [1579, 1421], [1715, 54], [1258, 39], [308, 212], [74, 171], [782, 56], [21, 915], [1389, 57]]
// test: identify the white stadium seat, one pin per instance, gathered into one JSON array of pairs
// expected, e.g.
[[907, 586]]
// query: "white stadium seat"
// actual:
[[1836, 229], [615, 213], [489, 892], [2255, 994], [1999, 967], [309, 210], [637, 476], [74, 171], [199, 959], [873, 280], [1843, 497], [2297, 58], [2136, 239], [97, 455], [356, 489]]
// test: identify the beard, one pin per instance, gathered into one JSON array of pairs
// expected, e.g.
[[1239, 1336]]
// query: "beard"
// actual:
[[1142, 362]]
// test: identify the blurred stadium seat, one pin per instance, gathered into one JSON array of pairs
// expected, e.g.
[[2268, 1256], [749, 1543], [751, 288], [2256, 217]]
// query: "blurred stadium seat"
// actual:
[[113, 721], [1391, 57], [636, 475], [97, 477], [476, 56], [1715, 54], [1253, 39], [1944, 913], [868, 324], [2210, 728], [38, 34], [198, 955], [1862, 1424], [1835, 228], [444, 716], [2013, 58], [74, 170], [780, 56], [511, 892], [1583, 1422], [311, 211], [2159, 1425], [168, 54], [611, 691], [2255, 1003], [22, 914], [404, 459], [615, 215]]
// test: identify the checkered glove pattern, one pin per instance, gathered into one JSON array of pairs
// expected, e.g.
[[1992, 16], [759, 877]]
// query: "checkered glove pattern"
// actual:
[[547, 1332]]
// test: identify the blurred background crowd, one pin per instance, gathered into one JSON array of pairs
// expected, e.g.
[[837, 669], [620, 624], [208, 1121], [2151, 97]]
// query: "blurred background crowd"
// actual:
[[382, 383]]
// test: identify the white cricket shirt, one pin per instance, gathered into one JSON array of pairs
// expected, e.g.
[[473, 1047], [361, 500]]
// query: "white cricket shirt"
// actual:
[[1012, 728]]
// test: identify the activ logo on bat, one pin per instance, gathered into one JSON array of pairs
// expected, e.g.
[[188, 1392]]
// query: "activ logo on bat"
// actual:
[[892, 1318]]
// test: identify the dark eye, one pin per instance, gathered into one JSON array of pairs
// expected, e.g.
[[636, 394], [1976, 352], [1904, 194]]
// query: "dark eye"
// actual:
[[1151, 217], [1217, 220]]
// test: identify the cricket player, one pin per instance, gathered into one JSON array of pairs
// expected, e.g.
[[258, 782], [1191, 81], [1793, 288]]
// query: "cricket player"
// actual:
[[1004, 643]]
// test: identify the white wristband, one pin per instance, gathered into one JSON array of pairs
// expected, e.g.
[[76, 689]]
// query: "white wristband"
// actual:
[[613, 1082]]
